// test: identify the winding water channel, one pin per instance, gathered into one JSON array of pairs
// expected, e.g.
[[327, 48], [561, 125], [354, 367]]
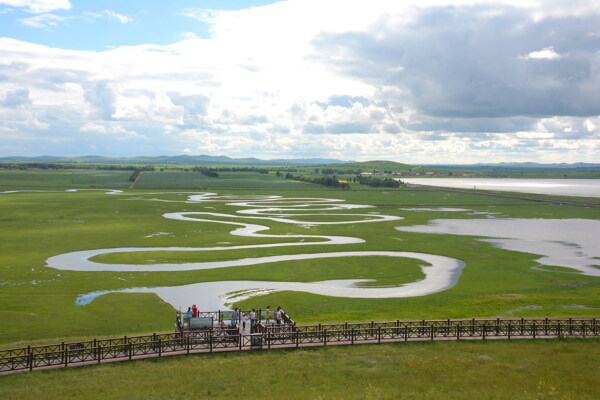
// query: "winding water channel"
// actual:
[[441, 273]]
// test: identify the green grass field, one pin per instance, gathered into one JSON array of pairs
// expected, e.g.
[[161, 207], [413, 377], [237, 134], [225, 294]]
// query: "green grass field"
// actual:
[[544, 369], [37, 303]]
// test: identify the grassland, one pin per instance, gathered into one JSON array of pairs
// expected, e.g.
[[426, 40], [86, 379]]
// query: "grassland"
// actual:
[[557, 369], [37, 302]]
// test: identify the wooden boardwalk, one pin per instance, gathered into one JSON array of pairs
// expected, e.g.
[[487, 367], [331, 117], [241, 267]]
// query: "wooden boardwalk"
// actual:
[[271, 337]]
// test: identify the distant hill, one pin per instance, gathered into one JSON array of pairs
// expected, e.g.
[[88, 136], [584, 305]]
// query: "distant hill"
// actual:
[[183, 159], [378, 165]]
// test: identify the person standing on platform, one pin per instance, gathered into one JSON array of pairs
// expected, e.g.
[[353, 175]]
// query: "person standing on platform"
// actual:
[[235, 315], [252, 318], [278, 316], [194, 311], [268, 314]]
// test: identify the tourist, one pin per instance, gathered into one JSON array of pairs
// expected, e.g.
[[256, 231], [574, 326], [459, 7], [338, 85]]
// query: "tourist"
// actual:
[[235, 315], [252, 317], [194, 311], [189, 312], [244, 319], [268, 314], [278, 315]]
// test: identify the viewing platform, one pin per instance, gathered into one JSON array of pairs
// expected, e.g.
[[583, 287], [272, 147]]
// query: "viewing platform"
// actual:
[[222, 326]]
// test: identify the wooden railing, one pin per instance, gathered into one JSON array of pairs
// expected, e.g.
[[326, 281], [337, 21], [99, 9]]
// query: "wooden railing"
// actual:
[[289, 335]]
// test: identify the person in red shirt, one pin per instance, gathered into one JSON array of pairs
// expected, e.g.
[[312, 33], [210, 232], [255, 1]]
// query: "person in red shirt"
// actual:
[[194, 311]]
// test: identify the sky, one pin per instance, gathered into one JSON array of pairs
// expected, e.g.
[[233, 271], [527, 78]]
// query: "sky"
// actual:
[[415, 81]]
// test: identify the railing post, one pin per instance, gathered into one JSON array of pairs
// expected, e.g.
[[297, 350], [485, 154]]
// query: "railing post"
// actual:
[[534, 329], [325, 337], [558, 330], [99, 350], [406, 333], [129, 350], [457, 331], [210, 341], [546, 329], [159, 347], [297, 338], [268, 340], [509, 329], [570, 326], [473, 327], [484, 326], [522, 326], [352, 336], [187, 344], [379, 334], [431, 331], [66, 356]]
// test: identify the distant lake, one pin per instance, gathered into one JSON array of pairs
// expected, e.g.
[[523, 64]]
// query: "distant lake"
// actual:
[[562, 187]]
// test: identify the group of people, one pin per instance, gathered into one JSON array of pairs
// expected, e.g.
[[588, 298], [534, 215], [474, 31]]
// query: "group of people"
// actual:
[[238, 316], [250, 317], [193, 311]]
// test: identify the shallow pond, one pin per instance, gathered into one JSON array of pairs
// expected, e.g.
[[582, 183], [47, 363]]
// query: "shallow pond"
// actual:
[[571, 243]]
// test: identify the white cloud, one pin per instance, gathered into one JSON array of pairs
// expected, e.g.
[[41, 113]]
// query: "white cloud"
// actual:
[[547, 53], [93, 127], [188, 35], [16, 99], [110, 128], [39, 6], [414, 81], [110, 15], [42, 21]]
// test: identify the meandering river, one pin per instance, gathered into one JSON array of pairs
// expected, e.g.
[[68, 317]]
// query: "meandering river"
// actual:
[[572, 243]]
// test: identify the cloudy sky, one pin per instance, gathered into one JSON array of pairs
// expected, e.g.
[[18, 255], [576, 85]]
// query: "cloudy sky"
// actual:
[[416, 81]]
